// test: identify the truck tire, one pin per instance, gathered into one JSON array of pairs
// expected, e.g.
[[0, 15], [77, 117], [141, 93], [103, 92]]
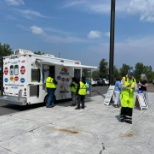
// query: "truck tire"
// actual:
[[46, 98]]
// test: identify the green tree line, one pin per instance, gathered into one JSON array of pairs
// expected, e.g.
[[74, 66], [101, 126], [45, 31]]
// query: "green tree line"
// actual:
[[103, 69], [139, 69]]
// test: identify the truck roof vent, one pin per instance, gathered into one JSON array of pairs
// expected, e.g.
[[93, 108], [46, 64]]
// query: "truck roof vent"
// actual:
[[48, 55], [23, 51]]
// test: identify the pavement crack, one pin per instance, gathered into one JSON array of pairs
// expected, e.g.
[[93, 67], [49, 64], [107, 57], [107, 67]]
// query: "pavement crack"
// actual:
[[33, 129], [102, 144], [103, 148], [19, 134], [8, 150]]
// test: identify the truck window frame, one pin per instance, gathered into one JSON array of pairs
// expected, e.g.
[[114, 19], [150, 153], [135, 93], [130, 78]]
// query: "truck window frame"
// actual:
[[35, 75], [11, 70], [16, 69]]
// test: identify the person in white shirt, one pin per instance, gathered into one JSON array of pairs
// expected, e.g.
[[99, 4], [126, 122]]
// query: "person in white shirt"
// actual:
[[117, 92]]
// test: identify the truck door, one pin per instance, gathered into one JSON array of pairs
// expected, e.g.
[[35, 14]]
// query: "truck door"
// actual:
[[35, 77], [52, 70], [77, 73]]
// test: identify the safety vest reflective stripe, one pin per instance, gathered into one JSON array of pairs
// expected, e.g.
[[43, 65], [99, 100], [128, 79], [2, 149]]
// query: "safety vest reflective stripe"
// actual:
[[83, 88], [49, 83]]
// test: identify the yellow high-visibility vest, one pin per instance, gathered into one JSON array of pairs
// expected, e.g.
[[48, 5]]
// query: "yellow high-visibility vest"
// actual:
[[73, 89], [127, 94], [49, 83], [83, 88]]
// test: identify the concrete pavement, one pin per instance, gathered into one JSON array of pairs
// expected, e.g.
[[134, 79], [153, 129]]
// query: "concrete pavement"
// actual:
[[63, 130]]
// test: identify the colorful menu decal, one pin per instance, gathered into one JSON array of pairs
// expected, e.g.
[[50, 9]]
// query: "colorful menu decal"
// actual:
[[6, 79], [59, 77], [16, 78], [22, 70], [11, 78], [5, 70], [63, 79], [22, 80], [67, 79], [64, 71]]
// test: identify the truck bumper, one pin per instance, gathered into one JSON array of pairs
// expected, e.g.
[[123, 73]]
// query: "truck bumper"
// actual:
[[13, 100]]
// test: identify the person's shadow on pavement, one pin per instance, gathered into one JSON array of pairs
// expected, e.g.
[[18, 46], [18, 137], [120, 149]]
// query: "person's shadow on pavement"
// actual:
[[118, 117]]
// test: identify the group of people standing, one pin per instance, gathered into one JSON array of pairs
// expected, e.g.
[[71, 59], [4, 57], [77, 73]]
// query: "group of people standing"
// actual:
[[78, 91], [124, 93], [125, 88]]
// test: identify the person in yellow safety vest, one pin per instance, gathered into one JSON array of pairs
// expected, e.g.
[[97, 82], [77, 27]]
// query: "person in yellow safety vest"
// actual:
[[81, 91], [128, 86], [51, 85], [73, 86]]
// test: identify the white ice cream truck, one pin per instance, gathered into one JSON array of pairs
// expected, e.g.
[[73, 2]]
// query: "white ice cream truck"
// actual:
[[24, 75]]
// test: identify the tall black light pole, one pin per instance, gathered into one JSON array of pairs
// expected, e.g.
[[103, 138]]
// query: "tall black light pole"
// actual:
[[111, 59]]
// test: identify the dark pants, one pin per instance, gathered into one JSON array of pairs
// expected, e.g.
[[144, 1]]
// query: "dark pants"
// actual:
[[126, 114], [51, 93], [74, 98], [81, 100]]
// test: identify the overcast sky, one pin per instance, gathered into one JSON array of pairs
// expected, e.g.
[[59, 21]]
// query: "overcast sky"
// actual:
[[80, 29]]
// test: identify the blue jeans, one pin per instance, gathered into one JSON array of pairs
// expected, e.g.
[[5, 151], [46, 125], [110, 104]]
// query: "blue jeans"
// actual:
[[50, 100]]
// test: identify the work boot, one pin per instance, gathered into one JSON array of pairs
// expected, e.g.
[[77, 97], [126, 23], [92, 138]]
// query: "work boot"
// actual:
[[77, 108], [50, 106], [122, 119], [73, 104], [128, 121], [83, 107]]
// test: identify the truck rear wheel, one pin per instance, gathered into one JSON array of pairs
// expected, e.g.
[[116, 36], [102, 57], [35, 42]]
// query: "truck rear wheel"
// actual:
[[46, 99]]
